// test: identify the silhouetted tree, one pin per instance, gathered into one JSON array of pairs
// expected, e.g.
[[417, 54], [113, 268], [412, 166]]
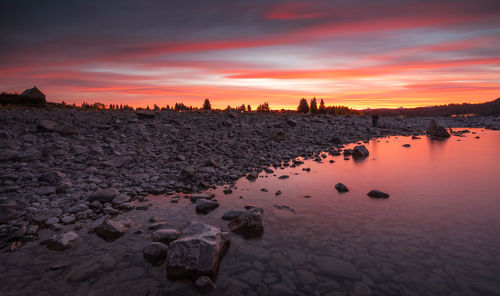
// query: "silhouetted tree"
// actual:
[[207, 105], [322, 108], [303, 106], [242, 107], [313, 106], [263, 107], [249, 108]]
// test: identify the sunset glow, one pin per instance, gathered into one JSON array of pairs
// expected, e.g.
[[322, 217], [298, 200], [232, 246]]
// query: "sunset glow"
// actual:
[[355, 53]]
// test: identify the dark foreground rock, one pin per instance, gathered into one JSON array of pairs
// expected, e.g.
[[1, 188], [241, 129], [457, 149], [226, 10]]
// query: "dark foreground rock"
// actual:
[[205, 206], [165, 235], [337, 268], [232, 214], [377, 194], [196, 252], [360, 151], [204, 284]]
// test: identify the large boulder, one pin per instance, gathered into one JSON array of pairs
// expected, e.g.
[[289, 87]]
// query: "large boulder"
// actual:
[[436, 131], [360, 151], [112, 229], [63, 241], [249, 224], [104, 195], [197, 252]]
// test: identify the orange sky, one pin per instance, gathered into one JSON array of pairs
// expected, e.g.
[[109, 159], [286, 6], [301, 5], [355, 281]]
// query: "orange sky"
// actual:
[[376, 54]]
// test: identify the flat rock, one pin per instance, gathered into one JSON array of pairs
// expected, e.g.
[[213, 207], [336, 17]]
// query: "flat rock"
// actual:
[[104, 195], [338, 268], [196, 252], [165, 236], [63, 241], [377, 194]]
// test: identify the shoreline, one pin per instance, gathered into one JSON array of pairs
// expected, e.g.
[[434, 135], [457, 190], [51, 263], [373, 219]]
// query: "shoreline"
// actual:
[[52, 161]]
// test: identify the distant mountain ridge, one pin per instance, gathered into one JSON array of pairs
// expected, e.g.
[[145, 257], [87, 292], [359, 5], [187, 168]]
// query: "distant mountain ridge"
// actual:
[[483, 109]]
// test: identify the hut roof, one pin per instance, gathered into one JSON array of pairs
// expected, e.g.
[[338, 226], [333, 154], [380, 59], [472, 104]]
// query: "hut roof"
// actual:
[[33, 93]]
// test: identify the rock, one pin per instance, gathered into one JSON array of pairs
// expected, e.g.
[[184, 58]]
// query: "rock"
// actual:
[[196, 252], [46, 126], [361, 289], [283, 177], [347, 152], [9, 210], [155, 252], [230, 215], [360, 151], [204, 284], [278, 192], [120, 199], [377, 194], [68, 220], [227, 191], [112, 229], [52, 220], [406, 145], [63, 241], [165, 236], [205, 206], [196, 196], [127, 206], [341, 187], [187, 173], [52, 178], [436, 131], [249, 224], [110, 211], [291, 122], [104, 195], [156, 225], [338, 268], [145, 114]]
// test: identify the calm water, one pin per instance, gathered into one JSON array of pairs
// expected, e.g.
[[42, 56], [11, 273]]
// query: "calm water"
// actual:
[[437, 234]]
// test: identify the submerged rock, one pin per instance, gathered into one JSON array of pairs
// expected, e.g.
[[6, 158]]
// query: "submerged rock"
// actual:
[[341, 187], [196, 252], [63, 241], [155, 252], [337, 268], [377, 194], [436, 131], [249, 224]]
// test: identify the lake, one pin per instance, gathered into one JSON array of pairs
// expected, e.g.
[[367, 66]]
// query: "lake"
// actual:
[[437, 234]]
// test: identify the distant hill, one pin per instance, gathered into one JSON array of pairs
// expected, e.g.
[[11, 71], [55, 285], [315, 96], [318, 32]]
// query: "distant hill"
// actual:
[[483, 109]]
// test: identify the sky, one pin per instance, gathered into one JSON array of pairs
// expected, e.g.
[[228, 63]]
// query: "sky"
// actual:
[[362, 54]]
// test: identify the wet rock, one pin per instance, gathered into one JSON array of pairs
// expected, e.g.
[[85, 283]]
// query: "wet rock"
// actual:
[[360, 151], [156, 225], [196, 196], [227, 191], [406, 145], [337, 268], [341, 187], [155, 252], [377, 194], [230, 215], [436, 131], [197, 252], [283, 177], [104, 195], [205, 206], [348, 152], [278, 192], [249, 224], [204, 284], [63, 241], [112, 229], [165, 236]]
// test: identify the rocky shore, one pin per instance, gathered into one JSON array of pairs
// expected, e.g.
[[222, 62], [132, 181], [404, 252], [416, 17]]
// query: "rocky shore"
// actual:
[[60, 166]]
